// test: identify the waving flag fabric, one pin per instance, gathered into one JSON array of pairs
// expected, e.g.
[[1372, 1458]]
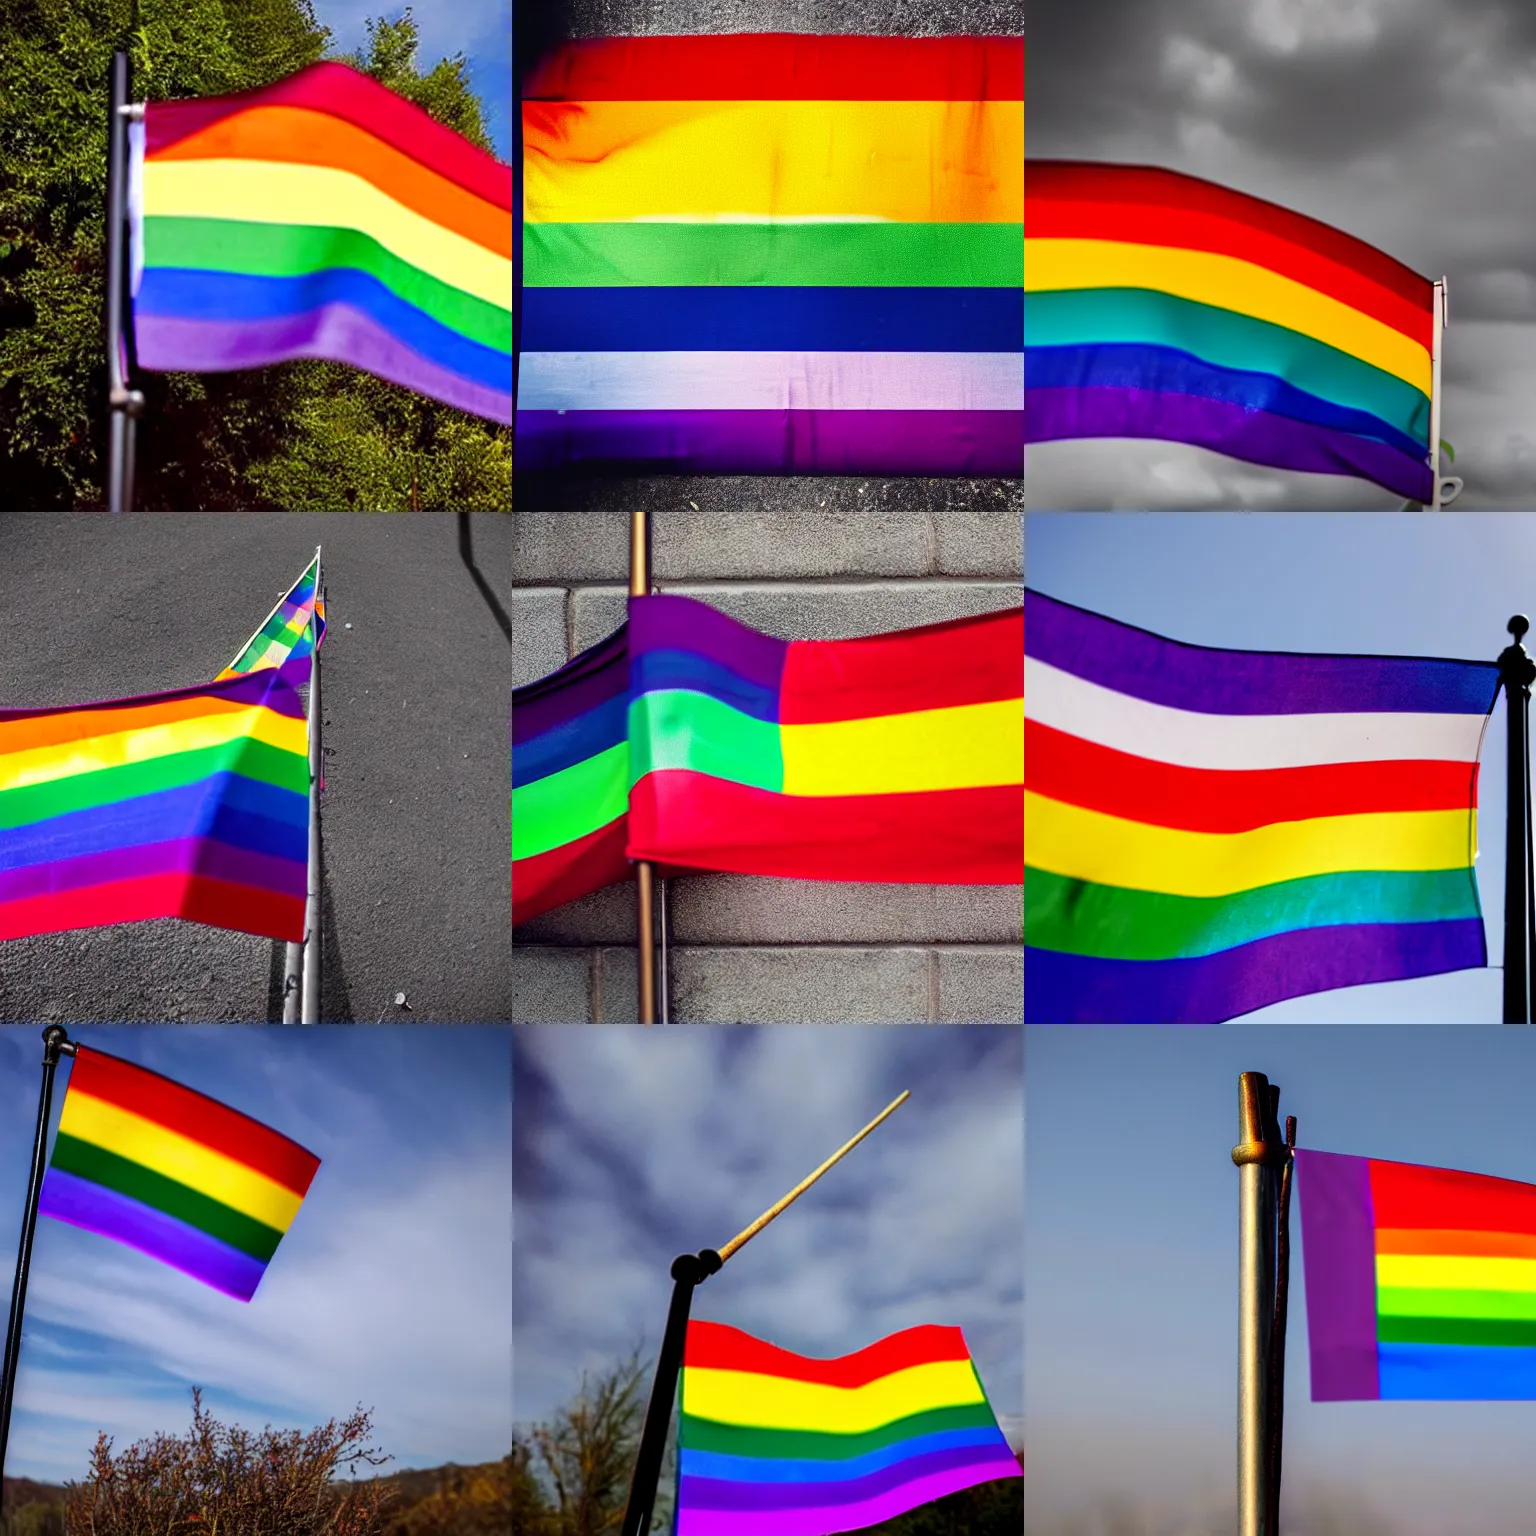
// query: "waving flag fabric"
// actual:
[[774, 254], [1162, 306], [1421, 1282], [187, 804], [291, 635], [322, 216], [776, 1444], [173, 1173], [1210, 831], [705, 744]]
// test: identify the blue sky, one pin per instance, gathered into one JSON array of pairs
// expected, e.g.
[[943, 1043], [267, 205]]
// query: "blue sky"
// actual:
[[1415, 583], [392, 1289], [1131, 1310], [479, 29], [634, 1145]]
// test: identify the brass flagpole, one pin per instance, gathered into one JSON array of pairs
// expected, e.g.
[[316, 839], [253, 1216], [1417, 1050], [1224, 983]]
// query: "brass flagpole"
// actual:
[[645, 874]]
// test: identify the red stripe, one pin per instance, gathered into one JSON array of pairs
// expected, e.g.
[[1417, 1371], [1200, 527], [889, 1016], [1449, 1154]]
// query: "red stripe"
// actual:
[[1077, 772], [1405, 1196], [716, 1347], [570, 871], [1147, 198], [217, 903], [195, 1116], [355, 99], [944, 837], [940, 666], [782, 66]]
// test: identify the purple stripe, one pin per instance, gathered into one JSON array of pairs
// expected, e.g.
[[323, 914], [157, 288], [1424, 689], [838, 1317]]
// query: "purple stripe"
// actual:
[[184, 856], [271, 686], [1221, 682], [682, 624], [334, 331], [845, 1517], [774, 442], [1338, 1245], [68, 1198], [599, 673], [1076, 989], [1259, 437]]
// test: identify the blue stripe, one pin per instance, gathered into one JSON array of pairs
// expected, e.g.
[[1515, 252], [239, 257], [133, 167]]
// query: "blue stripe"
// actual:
[[763, 1469], [773, 320], [650, 671], [1116, 365], [1456, 1372], [229, 809], [183, 294], [571, 742]]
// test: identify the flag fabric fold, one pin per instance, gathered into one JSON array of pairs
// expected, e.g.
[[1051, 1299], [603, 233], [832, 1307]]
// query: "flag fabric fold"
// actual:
[[772, 1443], [1211, 831], [1421, 1282], [291, 635], [173, 1173]]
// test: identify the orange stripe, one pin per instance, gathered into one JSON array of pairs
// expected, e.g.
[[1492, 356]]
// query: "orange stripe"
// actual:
[[299, 136], [70, 725], [1431, 1240]]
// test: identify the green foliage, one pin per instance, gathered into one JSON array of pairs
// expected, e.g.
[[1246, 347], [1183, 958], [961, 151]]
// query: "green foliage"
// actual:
[[309, 435], [36, 1519]]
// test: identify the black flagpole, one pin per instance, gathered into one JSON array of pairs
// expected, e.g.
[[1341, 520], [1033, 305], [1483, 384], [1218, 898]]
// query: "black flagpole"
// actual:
[[125, 404], [1517, 671], [56, 1043]]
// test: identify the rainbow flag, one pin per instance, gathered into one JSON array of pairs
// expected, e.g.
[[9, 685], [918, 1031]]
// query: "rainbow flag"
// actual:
[[292, 632], [1162, 306], [774, 254], [1210, 831], [776, 1444], [173, 1173], [322, 216], [188, 804], [1421, 1282], [700, 744]]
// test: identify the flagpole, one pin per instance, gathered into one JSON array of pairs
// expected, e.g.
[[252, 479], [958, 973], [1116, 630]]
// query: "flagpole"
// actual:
[[1276, 1426], [56, 1043], [690, 1270], [1436, 329], [293, 954], [125, 404], [645, 874], [310, 997], [1516, 673]]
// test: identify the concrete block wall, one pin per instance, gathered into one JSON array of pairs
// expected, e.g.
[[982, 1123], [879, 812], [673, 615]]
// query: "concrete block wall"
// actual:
[[754, 950]]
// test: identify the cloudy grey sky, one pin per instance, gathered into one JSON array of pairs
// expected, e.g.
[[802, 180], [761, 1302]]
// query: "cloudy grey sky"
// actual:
[[392, 1288], [632, 1146], [1409, 123]]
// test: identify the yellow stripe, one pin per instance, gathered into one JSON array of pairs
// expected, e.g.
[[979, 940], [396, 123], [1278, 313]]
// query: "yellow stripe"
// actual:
[[1438, 1272], [928, 161], [43, 765], [771, 1402], [1109, 850], [118, 1130], [1226, 282], [961, 748], [263, 191]]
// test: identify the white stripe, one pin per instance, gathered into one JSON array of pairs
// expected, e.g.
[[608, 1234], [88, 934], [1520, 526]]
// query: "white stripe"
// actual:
[[1192, 740], [771, 381]]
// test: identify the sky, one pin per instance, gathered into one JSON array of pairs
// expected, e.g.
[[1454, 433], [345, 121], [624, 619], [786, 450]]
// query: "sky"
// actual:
[[1131, 1306], [392, 1288], [479, 29], [1412, 583], [1408, 123], [632, 1146]]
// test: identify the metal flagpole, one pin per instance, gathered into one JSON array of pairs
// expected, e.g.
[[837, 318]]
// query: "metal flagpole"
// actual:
[[690, 1270], [310, 1004], [1436, 328], [56, 1043], [125, 404], [1517, 671], [645, 874], [1276, 1426]]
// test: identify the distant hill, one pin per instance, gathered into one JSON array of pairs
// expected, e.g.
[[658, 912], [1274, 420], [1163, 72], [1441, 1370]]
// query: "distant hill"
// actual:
[[22, 1490]]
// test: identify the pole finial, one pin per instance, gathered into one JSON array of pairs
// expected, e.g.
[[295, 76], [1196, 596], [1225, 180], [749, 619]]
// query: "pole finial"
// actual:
[[1517, 626]]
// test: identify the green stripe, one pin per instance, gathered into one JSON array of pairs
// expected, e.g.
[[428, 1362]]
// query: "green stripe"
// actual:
[[1455, 1330], [677, 728], [107, 786], [1083, 317], [812, 1445], [645, 255], [1078, 917], [561, 807], [1415, 1301], [88, 1161], [293, 250]]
